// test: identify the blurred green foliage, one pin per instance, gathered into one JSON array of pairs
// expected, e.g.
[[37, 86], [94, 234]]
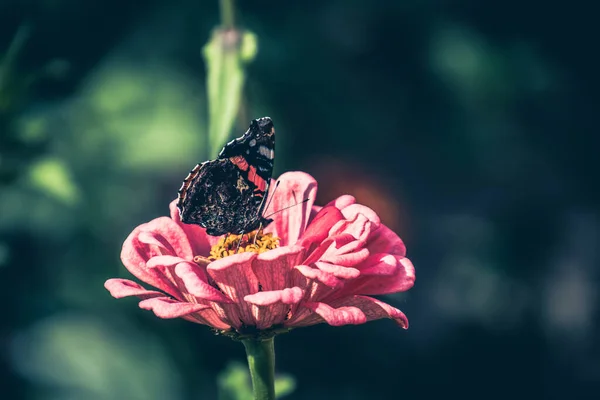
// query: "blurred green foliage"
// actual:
[[235, 384], [473, 125], [52, 176], [226, 55]]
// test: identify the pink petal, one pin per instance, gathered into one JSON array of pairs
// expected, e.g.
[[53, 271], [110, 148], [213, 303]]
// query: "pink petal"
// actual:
[[294, 187], [155, 240], [172, 233], [271, 308], [402, 280], [194, 280], [134, 256], [120, 288], [350, 310], [165, 307], [326, 246], [199, 240], [319, 227], [316, 254], [207, 317], [338, 271], [318, 275], [384, 240], [274, 268], [337, 316], [352, 210], [286, 296], [356, 226], [373, 309], [378, 264], [347, 260], [382, 274], [342, 202], [359, 228], [234, 276], [164, 261]]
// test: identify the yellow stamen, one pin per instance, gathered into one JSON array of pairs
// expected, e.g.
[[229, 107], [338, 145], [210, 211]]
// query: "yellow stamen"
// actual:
[[255, 242]]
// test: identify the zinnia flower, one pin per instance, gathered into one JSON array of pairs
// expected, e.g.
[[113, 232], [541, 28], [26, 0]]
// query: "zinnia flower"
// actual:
[[311, 265]]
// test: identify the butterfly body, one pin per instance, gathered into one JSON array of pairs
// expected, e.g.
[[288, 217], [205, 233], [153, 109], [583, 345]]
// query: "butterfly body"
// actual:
[[228, 194]]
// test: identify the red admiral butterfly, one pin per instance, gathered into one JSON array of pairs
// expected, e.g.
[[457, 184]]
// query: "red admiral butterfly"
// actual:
[[227, 195]]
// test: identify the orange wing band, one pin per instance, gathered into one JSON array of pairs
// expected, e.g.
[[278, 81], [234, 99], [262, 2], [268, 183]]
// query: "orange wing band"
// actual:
[[240, 162], [253, 177]]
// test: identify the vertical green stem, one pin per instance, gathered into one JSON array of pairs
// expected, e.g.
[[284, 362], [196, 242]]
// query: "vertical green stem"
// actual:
[[261, 361], [227, 14]]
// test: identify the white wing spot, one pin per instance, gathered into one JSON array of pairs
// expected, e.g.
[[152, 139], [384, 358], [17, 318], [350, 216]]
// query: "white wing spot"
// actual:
[[265, 151], [252, 143]]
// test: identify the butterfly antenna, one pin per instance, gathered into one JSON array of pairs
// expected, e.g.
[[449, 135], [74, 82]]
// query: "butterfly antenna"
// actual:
[[285, 208], [272, 195]]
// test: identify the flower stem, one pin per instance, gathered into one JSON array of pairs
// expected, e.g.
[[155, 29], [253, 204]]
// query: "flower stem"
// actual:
[[261, 361], [227, 14]]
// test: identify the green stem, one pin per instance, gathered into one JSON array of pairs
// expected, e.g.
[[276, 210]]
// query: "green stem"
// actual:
[[261, 361], [227, 14]]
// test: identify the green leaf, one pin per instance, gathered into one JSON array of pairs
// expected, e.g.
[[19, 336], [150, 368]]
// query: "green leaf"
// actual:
[[225, 55]]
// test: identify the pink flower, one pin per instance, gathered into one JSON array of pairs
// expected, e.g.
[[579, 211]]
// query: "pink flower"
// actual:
[[330, 261]]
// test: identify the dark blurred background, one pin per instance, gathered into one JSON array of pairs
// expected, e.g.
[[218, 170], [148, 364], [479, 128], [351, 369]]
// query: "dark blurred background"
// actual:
[[469, 126]]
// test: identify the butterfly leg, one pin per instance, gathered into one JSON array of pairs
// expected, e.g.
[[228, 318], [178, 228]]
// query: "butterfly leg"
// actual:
[[257, 232], [239, 242]]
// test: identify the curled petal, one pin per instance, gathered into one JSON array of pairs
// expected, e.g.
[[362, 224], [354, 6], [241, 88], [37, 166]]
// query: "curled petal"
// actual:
[[294, 187], [347, 260], [172, 233], [196, 284], [338, 241], [352, 210], [338, 271], [134, 256], [383, 274], [380, 264], [342, 202], [318, 275], [155, 240], [286, 296], [163, 261], [120, 288], [373, 309], [319, 227], [351, 310], [165, 307], [403, 280], [384, 240], [358, 226], [359, 229], [338, 316]]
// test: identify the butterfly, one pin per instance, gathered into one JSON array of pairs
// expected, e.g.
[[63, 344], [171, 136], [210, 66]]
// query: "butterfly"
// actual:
[[228, 194]]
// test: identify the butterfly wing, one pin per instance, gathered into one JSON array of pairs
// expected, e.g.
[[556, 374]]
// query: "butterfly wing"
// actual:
[[254, 153], [227, 195], [218, 197]]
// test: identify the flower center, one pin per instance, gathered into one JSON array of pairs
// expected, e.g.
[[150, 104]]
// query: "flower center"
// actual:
[[256, 242]]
